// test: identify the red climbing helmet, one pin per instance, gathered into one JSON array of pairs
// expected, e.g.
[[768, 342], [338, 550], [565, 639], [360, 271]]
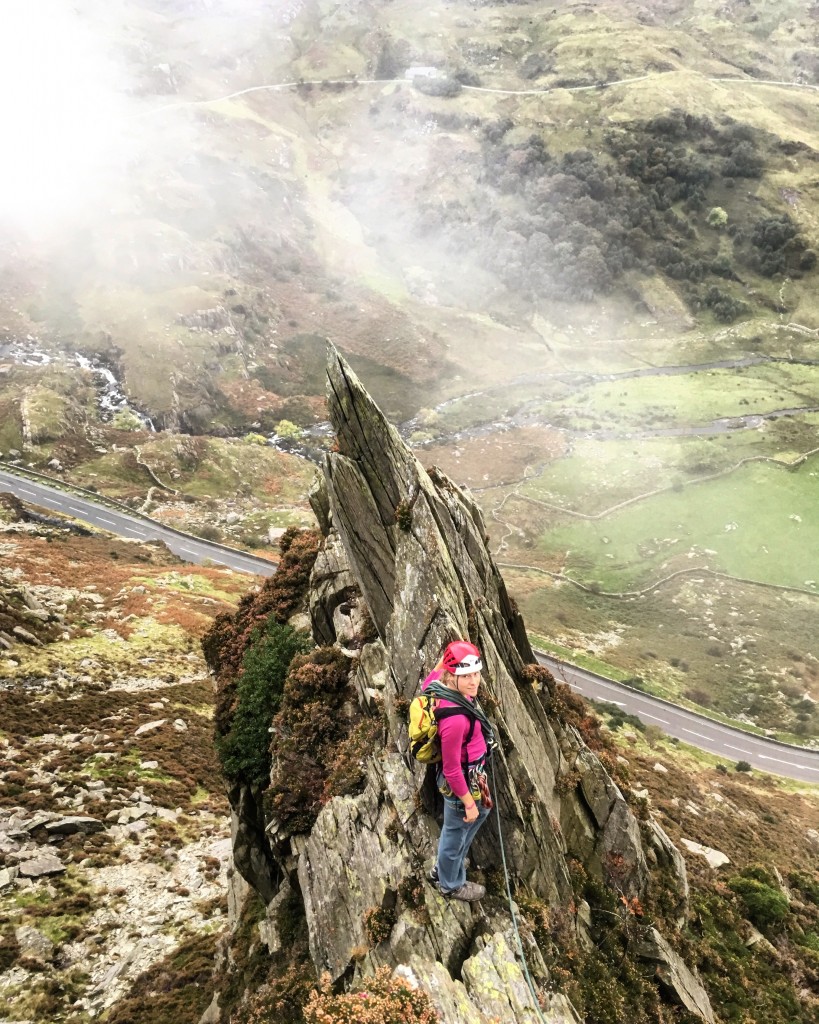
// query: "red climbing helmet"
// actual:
[[462, 658]]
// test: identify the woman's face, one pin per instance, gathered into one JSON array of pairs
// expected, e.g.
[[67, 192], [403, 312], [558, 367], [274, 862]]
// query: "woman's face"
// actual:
[[468, 684]]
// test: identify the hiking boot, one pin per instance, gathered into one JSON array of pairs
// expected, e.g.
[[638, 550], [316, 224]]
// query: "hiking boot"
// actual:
[[469, 892]]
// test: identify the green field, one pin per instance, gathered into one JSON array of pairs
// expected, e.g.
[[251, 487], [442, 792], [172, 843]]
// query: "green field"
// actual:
[[757, 523]]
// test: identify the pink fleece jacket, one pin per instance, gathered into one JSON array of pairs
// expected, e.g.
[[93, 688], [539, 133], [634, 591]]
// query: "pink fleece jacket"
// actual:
[[454, 751]]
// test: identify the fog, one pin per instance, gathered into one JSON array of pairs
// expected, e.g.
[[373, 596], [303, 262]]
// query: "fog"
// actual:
[[165, 159], [114, 133], [63, 110]]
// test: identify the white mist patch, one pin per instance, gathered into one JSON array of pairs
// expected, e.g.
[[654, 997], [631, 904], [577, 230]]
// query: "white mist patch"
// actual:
[[62, 113]]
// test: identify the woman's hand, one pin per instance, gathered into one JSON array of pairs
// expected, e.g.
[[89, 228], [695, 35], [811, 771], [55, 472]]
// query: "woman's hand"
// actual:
[[471, 811]]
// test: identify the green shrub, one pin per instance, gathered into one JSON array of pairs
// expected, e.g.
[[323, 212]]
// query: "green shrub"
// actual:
[[244, 749], [288, 430], [809, 887], [380, 1000], [764, 904], [206, 531]]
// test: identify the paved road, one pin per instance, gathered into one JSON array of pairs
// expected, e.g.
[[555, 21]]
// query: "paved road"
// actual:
[[730, 744], [187, 548]]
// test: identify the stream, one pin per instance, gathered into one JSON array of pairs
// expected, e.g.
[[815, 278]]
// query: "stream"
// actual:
[[111, 398], [579, 379]]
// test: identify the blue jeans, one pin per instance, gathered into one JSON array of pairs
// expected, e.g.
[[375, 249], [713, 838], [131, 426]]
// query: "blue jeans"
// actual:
[[456, 838]]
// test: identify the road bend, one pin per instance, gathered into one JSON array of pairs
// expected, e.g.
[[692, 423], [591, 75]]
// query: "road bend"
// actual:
[[732, 745], [189, 549]]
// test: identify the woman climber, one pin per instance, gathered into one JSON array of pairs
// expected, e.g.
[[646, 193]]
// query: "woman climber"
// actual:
[[465, 737]]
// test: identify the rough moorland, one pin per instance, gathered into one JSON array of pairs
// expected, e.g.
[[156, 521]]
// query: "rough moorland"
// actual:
[[113, 837]]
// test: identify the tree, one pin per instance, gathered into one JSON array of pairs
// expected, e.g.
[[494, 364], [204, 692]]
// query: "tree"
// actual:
[[717, 218]]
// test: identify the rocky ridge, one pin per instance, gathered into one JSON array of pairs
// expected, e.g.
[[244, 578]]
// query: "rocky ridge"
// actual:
[[408, 548]]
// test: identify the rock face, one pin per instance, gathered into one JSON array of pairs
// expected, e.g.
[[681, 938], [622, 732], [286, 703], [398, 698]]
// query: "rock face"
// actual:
[[412, 547]]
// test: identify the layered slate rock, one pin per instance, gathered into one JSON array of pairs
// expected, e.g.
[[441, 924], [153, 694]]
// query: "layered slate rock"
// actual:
[[408, 548], [417, 546]]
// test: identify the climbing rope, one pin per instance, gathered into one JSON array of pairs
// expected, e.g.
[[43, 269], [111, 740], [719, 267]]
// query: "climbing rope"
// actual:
[[512, 910]]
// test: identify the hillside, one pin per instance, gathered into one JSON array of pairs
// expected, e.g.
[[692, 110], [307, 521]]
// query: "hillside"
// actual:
[[448, 216], [571, 251], [504, 250], [114, 847]]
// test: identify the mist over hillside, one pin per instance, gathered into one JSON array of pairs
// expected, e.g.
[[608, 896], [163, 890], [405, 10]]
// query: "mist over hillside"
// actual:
[[425, 224]]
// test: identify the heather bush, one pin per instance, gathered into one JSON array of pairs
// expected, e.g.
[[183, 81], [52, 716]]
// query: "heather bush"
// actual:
[[378, 923], [381, 1000], [319, 746], [280, 596], [178, 987], [348, 769]]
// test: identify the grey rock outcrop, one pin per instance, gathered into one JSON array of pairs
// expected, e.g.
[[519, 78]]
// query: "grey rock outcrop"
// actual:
[[683, 984], [417, 548], [408, 548]]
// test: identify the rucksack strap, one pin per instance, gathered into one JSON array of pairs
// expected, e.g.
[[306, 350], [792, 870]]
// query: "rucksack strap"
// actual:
[[442, 713], [471, 708]]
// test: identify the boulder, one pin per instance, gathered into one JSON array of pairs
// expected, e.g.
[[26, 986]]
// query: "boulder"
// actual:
[[71, 825], [715, 858], [135, 813], [26, 637], [150, 726], [212, 1015], [7, 876], [34, 945], [681, 983], [38, 867]]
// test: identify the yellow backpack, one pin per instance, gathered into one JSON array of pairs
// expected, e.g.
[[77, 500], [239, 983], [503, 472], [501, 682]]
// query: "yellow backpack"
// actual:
[[424, 716]]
